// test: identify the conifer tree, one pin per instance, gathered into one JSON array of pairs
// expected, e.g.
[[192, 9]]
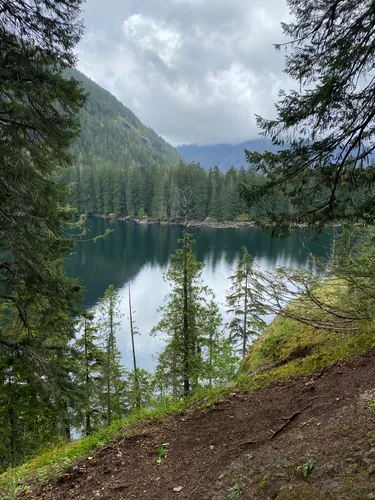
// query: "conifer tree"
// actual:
[[38, 122], [244, 303], [325, 127], [113, 380], [181, 316], [92, 361], [136, 385], [219, 362]]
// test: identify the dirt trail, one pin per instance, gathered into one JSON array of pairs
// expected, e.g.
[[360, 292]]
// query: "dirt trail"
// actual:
[[227, 451]]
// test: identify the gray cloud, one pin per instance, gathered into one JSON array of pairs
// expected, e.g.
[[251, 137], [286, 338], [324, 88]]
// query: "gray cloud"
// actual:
[[194, 70]]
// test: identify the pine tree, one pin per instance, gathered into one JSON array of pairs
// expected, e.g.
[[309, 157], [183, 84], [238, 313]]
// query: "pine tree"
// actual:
[[325, 129], [113, 382], [92, 361], [244, 303], [38, 122], [219, 362], [181, 318], [135, 385]]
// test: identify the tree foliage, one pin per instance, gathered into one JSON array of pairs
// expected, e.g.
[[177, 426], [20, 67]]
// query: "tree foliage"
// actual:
[[38, 122], [325, 127], [245, 304], [195, 345]]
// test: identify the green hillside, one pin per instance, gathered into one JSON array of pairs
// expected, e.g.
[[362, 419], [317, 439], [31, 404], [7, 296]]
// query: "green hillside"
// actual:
[[111, 132]]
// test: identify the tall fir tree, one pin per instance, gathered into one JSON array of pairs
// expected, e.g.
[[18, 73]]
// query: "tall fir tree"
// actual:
[[244, 302], [113, 373]]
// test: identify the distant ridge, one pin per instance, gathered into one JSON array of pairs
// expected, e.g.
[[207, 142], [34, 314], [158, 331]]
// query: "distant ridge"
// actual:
[[224, 156]]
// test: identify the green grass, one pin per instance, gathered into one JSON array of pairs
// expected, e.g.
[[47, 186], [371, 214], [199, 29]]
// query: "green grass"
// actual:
[[53, 463], [289, 348]]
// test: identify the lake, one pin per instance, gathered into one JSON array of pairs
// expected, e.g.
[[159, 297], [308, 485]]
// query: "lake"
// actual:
[[139, 255]]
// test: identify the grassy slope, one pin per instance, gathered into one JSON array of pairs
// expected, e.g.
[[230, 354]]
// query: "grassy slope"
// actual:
[[54, 462], [285, 350], [288, 349]]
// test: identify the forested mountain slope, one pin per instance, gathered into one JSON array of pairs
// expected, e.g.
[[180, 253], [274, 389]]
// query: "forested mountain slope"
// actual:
[[123, 168], [111, 132], [224, 156]]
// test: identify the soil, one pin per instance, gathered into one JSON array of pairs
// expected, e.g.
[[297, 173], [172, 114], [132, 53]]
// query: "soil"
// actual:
[[246, 446]]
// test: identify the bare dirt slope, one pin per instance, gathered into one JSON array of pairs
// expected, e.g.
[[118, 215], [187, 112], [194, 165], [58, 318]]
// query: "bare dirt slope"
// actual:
[[247, 446]]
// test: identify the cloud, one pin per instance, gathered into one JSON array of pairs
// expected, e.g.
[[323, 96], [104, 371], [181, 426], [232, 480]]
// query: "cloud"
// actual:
[[193, 70]]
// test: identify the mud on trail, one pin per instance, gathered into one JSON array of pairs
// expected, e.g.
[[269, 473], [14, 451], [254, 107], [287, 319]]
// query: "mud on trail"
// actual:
[[246, 446]]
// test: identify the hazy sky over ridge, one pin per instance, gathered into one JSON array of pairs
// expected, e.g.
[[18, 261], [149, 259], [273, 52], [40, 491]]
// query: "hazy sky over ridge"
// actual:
[[196, 71]]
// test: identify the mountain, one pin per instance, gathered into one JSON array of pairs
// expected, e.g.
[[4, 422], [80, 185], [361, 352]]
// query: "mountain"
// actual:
[[111, 132], [122, 168], [224, 156]]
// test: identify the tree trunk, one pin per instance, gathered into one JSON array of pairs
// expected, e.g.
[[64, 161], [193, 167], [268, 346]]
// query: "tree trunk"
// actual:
[[186, 323], [87, 383], [210, 362], [109, 353], [174, 377], [136, 381], [11, 417], [245, 322]]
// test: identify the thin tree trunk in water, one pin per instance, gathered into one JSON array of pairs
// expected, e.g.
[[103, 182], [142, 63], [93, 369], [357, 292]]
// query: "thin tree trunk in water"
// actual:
[[88, 395], [174, 379], [245, 323], [210, 365], [109, 365], [12, 437], [186, 324], [137, 396]]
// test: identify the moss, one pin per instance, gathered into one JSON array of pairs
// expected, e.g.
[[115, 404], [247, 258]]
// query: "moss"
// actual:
[[300, 491], [263, 482], [289, 348]]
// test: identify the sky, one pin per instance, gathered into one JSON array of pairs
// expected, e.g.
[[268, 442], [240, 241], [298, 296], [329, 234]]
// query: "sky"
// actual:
[[196, 71]]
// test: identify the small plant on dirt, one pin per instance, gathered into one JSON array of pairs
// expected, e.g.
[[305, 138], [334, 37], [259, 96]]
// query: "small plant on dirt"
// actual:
[[161, 450], [237, 490], [371, 405], [14, 487], [306, 468]]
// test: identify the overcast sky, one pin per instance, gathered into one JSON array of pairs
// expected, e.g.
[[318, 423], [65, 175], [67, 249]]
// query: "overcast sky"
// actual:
[[196, 71]]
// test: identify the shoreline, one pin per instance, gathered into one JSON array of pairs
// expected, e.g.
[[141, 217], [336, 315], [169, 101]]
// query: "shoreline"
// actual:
[[208, 222]]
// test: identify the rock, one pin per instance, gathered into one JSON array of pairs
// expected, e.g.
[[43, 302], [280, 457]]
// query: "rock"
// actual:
[[177, 488]]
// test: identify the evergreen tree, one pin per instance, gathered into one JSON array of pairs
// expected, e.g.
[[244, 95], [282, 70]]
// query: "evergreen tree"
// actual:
[[38, 122], [113, 376], [139, 389], [327, 126], [91, 374], [181, 318], [244, 303], [219, 362], [167, 376], [136, 384]]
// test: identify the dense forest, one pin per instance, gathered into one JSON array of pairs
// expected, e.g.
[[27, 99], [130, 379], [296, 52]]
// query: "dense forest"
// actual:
[[110, 132], [123, 168], [153, 191]]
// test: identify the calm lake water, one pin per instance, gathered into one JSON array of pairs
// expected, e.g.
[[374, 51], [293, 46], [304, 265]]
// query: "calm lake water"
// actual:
[[139, 255]]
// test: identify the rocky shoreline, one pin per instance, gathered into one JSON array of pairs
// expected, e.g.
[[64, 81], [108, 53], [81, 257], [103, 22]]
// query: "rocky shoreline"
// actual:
[[208, 222]]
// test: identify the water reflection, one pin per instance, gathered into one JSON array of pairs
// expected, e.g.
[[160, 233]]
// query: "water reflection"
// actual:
[[140, 254]]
